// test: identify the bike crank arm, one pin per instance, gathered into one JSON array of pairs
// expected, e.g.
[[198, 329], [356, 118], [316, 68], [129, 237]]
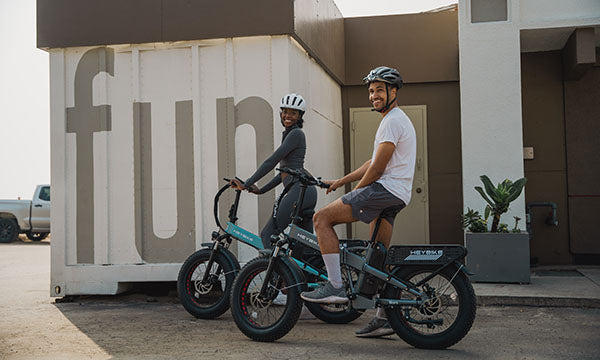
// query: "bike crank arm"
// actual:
[[399, 302], [429, 322]]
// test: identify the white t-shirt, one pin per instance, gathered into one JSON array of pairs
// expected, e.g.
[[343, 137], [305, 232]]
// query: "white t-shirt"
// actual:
[[398, 175]]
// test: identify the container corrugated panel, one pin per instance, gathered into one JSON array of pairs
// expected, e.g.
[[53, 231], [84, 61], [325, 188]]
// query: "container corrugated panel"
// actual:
[[143, 134]]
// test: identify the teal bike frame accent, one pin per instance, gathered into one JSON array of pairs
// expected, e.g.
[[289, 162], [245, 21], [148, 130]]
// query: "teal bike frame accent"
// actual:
[[244, 236], [255, 241]]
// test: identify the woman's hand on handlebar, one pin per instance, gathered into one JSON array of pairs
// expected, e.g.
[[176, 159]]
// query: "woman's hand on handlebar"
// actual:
[[333, 184], [239, 185]]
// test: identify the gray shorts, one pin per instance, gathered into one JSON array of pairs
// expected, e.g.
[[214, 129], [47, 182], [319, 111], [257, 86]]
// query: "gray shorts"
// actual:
[[368, 203]]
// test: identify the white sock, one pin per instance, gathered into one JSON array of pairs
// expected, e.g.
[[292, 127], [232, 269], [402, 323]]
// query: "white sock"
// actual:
[[334, 273], [380, 314]]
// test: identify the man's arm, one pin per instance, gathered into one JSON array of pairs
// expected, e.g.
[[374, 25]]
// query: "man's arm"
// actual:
[[353, 176], [384, 153]]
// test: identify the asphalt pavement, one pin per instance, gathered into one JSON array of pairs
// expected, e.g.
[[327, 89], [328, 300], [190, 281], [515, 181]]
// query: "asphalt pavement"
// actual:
[[555, 317]]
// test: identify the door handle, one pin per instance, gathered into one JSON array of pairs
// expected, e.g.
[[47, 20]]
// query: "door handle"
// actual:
[[37, 205]]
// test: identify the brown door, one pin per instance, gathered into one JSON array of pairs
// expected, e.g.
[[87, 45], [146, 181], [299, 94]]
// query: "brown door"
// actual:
[[412, 223]]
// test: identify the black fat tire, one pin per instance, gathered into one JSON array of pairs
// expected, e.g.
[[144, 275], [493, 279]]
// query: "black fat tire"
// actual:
[[186, 286], [450, 336], [9, 230], [36, 236], [239, 293]]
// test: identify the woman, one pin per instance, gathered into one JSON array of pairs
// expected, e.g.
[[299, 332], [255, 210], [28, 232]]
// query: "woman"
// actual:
[[290, 154]]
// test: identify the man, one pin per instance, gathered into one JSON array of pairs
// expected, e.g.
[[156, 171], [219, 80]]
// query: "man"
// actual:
[[384, 181]]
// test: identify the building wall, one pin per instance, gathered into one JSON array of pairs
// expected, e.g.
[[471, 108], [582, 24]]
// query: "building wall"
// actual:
[[544, 130], [582, 131], [423, 47], [166, 121], [444, 150], [317, 24], [490, 86], [490, 77]]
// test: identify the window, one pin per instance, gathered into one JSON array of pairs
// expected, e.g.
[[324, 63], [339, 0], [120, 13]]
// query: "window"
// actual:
[[488, 10], [45, 193]]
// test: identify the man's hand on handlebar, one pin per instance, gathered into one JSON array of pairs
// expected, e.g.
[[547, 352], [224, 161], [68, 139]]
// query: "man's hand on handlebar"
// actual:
[[333, 184], [254, 189], [237, 184]]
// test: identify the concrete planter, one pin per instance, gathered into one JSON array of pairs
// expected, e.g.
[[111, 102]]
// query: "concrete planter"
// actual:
[[498, 257]]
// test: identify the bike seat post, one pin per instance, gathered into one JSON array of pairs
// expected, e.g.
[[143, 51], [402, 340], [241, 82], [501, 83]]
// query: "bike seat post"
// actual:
[[296, 219], [376, 230]]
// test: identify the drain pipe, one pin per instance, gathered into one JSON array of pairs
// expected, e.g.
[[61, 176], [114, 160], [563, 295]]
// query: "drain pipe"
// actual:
[[551, 220]]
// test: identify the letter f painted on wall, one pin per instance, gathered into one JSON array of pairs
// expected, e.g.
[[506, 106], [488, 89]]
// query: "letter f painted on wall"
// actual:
[[84, 119]]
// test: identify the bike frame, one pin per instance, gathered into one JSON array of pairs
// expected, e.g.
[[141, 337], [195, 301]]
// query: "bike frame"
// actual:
[[293, 233], [240, 234]]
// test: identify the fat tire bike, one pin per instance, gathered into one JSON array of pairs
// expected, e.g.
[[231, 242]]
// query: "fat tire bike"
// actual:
[[424, 289], [206, 277]]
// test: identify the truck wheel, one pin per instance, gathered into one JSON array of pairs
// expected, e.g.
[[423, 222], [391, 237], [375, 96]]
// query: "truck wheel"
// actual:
[[9, 230], [36, 236]]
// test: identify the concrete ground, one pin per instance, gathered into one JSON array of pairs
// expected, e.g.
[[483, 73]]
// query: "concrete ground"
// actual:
[[576, 286], [137, 326]]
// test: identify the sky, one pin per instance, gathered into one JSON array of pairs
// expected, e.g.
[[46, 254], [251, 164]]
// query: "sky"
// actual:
[[24, 89]]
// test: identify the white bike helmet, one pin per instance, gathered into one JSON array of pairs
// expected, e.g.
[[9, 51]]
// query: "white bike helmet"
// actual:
[[293, 101]]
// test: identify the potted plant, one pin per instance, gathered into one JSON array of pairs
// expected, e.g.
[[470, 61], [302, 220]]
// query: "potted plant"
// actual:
[[497, 254]]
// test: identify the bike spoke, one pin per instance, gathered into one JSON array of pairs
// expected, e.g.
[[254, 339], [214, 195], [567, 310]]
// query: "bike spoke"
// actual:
[[442, 305], [205, 293], [261, 311]]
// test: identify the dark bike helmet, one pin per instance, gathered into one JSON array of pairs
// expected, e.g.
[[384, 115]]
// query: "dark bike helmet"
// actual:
[[388, 75]]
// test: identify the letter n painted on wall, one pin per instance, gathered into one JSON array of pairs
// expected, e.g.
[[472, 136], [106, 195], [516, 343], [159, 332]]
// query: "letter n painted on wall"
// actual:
[[258, 113]]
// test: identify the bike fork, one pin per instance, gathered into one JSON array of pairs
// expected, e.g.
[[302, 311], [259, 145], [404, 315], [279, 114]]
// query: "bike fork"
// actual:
[[265, 284], [211, 260]]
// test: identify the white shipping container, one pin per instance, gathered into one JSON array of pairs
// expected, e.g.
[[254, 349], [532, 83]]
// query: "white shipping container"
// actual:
[[141, 136]]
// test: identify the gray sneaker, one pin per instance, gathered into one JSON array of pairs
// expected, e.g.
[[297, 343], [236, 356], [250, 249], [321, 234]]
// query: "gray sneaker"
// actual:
[[326, 294], [376, 328]]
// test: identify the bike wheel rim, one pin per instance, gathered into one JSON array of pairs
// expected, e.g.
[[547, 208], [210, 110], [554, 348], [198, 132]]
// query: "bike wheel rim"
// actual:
[[444, 305], [205, 295], [260, 314]]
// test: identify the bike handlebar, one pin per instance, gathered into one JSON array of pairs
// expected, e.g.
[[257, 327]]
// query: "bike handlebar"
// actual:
[[304, 177]]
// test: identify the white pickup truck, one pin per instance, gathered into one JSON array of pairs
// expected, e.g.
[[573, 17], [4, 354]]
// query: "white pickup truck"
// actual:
[[31, 217]]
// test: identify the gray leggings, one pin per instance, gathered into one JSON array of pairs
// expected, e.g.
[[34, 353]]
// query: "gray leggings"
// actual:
[[284, 213]]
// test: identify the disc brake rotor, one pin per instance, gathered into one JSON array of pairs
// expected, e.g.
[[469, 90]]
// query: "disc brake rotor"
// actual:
[[257, 302]]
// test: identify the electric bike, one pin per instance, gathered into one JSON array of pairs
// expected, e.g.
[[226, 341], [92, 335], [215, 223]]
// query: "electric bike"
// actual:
[[205, 279], [424, 289]]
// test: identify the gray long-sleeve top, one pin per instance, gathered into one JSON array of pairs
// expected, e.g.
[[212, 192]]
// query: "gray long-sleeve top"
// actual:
[[290, 154]]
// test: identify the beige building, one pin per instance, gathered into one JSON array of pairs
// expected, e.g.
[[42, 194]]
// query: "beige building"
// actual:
[[138, 107]]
